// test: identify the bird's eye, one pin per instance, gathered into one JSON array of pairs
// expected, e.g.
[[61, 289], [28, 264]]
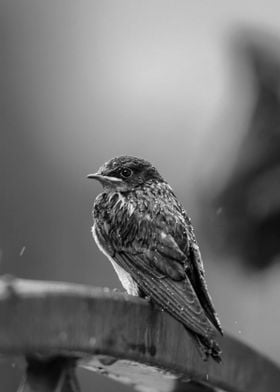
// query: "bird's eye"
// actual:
[[126, 172]]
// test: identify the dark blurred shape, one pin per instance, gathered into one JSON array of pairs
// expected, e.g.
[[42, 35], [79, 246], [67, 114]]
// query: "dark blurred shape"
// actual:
[[251, 198], [52, 375]]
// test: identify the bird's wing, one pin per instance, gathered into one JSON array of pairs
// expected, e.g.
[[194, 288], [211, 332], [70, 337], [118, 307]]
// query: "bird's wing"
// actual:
[[196, 275], [195, 271], [150, 254], [176, 297]]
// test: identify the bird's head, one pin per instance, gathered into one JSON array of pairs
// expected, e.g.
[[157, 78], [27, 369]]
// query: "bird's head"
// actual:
[[125, 173]]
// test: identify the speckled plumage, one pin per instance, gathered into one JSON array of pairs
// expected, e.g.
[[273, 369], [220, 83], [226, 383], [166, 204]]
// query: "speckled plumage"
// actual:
[[143, 229]]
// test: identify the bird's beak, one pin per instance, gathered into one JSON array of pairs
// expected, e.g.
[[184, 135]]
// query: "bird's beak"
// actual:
[[105, 180]]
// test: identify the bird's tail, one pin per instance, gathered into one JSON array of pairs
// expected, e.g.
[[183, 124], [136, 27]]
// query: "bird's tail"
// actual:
[[207, 347]]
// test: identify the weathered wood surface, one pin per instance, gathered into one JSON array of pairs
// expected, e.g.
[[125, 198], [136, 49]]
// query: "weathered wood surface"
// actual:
[[121, 336]]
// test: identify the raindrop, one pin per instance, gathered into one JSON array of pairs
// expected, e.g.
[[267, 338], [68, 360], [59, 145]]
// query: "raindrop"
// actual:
[[207, 377], [22, 250], [239, 331]]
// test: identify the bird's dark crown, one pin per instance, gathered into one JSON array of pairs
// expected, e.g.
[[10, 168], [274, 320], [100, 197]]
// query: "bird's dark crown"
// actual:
[[131, 172]]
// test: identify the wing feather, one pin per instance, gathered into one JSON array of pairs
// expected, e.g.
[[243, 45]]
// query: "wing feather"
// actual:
[[177, 298], [196, 276]]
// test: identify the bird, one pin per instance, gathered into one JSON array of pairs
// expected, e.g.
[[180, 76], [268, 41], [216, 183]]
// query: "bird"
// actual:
[[142, 228]]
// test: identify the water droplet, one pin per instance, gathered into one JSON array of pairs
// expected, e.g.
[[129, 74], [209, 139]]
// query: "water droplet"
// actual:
[[22, 250], [207, 376], [182, 309]]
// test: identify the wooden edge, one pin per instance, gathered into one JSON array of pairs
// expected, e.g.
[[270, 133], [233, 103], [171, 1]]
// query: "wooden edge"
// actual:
[[121, 336]]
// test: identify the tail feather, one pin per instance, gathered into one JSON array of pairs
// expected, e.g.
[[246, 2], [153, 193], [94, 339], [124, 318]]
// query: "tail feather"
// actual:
[[207, 347]]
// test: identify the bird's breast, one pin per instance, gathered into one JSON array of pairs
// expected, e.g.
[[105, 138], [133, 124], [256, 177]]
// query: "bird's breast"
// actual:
[[107, 205], [127, 281], [134, 220]]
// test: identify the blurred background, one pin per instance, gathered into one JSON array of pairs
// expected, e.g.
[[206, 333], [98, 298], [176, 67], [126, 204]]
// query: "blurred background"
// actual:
[[194, 87]]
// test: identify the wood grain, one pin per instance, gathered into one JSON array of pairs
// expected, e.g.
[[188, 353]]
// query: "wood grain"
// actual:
[[120, 336]]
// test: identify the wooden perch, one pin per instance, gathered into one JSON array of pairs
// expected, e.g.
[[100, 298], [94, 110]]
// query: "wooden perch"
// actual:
[[56, 324]]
